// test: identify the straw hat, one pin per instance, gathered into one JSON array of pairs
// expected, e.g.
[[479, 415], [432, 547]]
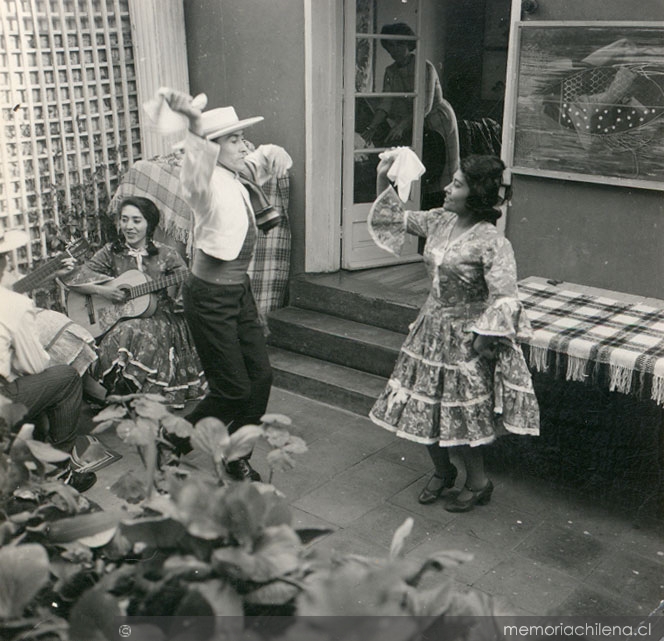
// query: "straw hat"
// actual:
[[12, 239], [222, 121]]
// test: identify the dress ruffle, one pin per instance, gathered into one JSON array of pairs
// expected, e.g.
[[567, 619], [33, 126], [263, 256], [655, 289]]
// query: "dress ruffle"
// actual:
[[441, 391], [155, 354]]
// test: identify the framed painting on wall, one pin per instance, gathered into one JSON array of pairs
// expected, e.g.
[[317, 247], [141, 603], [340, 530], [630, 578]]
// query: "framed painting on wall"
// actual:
[[588, 102]]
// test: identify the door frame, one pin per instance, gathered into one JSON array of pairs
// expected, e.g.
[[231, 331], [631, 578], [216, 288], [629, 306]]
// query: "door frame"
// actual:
[[358, 250], [323, 49], [323, 64]]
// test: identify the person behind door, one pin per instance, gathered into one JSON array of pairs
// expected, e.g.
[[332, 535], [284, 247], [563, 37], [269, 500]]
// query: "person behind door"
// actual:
[[155, 354], [460, 379], [220, 179], [440, 144], [51, 394]]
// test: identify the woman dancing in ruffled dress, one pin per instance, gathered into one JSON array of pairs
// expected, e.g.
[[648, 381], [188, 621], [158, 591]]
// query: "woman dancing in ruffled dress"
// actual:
[[460, 379]]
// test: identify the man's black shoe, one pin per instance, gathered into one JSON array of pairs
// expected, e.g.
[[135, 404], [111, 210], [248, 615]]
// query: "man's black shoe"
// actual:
[[241, 469], [80, 481], [181, 445]]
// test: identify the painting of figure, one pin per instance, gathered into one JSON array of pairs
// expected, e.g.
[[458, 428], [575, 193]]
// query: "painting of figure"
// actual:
[[590, 103]]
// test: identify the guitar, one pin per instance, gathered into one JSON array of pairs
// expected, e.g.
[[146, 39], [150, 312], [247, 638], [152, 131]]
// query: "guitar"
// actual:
[[42, 273], [98, 314]]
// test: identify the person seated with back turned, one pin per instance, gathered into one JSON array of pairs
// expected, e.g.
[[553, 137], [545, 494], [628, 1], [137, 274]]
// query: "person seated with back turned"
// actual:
[[153, 354], [26, 377], [220, 180]]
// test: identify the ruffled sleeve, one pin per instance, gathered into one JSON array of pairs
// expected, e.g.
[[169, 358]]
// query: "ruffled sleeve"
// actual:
[[99, 269], [389, 222], [504, 316]]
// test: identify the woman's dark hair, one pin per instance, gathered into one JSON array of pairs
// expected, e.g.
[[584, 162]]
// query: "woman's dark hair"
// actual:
[[484, 177], [150, 212], [397, 29]]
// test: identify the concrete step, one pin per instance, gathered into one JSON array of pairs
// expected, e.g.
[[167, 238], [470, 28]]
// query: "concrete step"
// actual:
[[337, 385], [338, 340], [355, 301]]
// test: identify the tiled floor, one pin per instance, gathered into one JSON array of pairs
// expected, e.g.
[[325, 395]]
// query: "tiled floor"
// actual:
[[540, 548]]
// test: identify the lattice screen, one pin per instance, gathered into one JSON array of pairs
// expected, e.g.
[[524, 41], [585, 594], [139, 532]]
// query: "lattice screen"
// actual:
[[69, 106]]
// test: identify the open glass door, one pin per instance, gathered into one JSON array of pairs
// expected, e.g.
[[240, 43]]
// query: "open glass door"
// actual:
[[382, 109]]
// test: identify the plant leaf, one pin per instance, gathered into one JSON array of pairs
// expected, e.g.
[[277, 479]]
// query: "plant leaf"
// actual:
[[80, 526], [99, 539], [202, 510], [11, 412], [296, 445], [277, 510], [210, 436], [187, 565], [103, 426], [110, 413], [223, 599], [94, 617], [150, 409], [45, 452], [275, 554], [129, 488], [279, 419], [280, 548], [177, 425], [143, 432], [399, 538], [124, 428], [276, 436], [245, 511], [26, 432], [280, 460], [23, 572], [155, 532], [242, 442], [275, 593], [433, 602]]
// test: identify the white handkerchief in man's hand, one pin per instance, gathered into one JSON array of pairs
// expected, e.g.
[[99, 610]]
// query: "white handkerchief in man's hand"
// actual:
[[405, 169], [163, 119]]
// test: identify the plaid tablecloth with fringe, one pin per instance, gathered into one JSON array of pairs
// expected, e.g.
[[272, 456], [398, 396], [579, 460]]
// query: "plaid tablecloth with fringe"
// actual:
[[158, 179], [587, 332]]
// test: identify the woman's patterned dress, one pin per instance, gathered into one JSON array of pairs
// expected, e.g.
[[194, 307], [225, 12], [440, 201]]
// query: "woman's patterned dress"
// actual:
[[441, 390], [154, 354]]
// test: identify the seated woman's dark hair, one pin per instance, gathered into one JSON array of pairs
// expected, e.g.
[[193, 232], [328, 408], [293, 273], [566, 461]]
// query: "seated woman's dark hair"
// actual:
[[484, 177], [150, 212], [397, 29]]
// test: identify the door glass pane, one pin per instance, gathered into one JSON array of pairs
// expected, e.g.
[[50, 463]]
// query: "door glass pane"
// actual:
[[385, 71]]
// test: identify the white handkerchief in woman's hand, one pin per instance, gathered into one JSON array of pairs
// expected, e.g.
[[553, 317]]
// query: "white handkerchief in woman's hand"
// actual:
[[405, 169]]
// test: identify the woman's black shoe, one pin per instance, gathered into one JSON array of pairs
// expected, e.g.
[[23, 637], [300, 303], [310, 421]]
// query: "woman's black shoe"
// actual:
[[428, 496], [241, 470], [479, 497]]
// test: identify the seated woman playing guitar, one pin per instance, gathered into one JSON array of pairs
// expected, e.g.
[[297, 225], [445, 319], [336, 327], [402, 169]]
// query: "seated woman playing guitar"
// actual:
[[153, 352]]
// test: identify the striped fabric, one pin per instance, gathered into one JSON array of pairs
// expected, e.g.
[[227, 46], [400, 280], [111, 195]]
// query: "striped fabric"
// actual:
[[158, 179], [587, 337]]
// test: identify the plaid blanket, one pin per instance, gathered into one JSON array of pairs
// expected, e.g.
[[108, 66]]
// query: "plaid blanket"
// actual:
[[158, 179], [594, 332]]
